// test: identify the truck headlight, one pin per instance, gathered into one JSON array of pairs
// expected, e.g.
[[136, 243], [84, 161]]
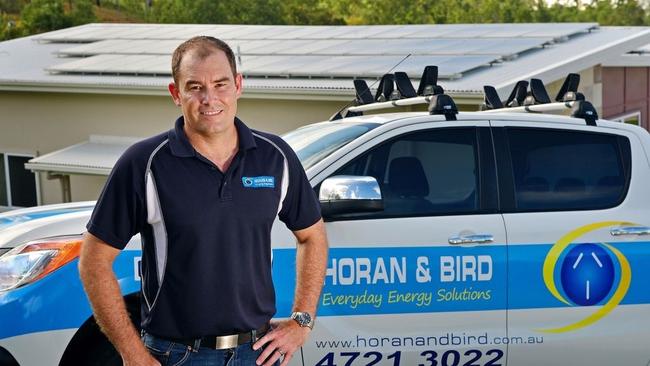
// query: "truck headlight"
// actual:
[[34, 260]]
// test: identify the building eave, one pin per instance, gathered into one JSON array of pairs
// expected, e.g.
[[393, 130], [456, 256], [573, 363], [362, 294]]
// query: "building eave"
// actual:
[[307, 94]]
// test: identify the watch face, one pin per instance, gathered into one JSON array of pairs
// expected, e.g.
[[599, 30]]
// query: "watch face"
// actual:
[[303, 318]]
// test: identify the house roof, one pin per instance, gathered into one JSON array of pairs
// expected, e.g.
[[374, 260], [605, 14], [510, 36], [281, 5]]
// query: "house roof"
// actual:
[[93, 157], [313, 62], [639, 57]]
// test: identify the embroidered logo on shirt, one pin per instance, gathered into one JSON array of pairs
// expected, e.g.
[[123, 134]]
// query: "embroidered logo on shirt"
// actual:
[[258, 182]]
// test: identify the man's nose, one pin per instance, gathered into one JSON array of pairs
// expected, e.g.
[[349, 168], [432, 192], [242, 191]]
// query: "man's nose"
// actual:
[[208, 95]]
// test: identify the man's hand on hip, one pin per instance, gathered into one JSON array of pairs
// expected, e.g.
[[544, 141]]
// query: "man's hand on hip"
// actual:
[[285, 338]]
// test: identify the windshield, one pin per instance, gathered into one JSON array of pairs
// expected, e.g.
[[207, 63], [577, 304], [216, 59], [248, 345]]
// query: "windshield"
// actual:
[[315, 142]]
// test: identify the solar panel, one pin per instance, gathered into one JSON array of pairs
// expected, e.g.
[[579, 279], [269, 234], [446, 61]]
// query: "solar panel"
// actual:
[[162, 33], [165, 47], [272, 47], [477, 31], [309, 51], [313, 32], [122, 46], [89, 48], [275, 65], [558, 30], [87, 63], [387, 47], [328, 32], [358, 66], [504, 47], [240, 32], [117, 64], [281, 32], [504, 31], [182, 34], [434, 31], [448, 68]]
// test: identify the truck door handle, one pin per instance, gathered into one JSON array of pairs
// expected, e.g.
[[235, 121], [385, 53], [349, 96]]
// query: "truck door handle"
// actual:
[[630, 230], [471, 239]]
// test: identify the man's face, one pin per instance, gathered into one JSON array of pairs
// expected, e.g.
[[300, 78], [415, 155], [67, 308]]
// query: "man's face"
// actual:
[[207, 92]]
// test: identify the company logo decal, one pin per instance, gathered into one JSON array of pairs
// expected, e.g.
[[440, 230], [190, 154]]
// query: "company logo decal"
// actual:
[[584, 274], [258, 182], [404, 279]]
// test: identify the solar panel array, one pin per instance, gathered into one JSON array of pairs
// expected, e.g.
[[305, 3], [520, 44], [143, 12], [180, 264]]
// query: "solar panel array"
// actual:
[[308, 51]]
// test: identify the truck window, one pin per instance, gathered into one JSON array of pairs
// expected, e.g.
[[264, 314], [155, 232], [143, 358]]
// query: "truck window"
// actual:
[[432, 172], [568, 170], [315, 142]]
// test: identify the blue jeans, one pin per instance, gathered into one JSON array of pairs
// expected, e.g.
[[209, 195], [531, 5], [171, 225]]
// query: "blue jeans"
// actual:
[[176, 354]]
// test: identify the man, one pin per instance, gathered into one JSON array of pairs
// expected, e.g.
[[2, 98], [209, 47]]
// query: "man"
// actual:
[[203, 197]]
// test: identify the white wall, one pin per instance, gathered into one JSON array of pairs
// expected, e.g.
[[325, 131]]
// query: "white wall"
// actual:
[[39, 123]]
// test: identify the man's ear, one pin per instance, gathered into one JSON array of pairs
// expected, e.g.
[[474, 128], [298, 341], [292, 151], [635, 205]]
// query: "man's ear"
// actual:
[[175, 93], [239, 84]]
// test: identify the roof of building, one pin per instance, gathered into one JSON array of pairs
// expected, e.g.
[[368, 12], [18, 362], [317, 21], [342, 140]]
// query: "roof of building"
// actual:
[[313, 62], [639, 57], [94, 157]]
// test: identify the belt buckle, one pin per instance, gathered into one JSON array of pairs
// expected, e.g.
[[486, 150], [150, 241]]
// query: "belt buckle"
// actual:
[[225, 342]]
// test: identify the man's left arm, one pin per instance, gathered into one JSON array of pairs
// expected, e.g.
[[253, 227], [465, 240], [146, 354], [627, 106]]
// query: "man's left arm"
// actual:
[[311, 262]]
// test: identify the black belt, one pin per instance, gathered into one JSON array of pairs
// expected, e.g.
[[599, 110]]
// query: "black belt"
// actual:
[[224, 341]]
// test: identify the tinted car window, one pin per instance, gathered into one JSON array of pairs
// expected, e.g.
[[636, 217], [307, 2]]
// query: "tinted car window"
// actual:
[[314, 143], [430, 172], [568, 170]]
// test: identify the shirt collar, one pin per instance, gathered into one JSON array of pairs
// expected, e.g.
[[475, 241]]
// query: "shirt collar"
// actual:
[[181, 146]]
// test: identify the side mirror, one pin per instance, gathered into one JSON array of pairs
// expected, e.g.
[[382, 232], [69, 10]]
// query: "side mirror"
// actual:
[[344, 194]]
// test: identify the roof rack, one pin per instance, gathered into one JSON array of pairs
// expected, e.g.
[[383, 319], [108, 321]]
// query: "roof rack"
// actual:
[[396, 90], [538, 101]]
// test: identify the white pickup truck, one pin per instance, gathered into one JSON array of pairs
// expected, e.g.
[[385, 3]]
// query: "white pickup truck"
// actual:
[[471, 238]]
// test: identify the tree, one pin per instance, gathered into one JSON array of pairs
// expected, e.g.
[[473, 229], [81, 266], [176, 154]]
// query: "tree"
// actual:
[[9, 29], [82, 12], [12, 6], [173, 11], [309, 12], [45, 15]]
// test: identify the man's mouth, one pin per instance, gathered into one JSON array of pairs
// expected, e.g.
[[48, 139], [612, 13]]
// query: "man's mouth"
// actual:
[[211, 113]]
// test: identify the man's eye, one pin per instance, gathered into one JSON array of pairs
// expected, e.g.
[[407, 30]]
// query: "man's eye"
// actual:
[[195, 87]]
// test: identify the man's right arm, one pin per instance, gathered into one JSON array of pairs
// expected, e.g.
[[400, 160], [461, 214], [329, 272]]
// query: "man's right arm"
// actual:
[[98, 278]]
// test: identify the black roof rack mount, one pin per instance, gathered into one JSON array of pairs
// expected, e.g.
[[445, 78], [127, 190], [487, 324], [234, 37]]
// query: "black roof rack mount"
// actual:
[[538, 101], [396, 90], [364, 95], [569, 88]]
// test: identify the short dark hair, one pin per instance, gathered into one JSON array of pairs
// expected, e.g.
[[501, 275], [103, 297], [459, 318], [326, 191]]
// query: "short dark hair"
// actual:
[[204, 45]]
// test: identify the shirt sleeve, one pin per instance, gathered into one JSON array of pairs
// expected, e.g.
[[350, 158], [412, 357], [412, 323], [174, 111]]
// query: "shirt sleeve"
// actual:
[[300, 208], [120, 210]]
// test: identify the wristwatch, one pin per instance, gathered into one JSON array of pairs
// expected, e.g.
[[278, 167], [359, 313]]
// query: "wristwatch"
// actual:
[[303, 319]]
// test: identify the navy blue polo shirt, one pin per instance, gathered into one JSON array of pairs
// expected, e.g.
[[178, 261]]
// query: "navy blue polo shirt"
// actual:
[[206, 241]]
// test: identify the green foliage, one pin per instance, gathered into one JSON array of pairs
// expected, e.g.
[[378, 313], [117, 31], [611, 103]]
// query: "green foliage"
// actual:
[[12, 6], [45, 15], [310, 12], [82, 12], [9, 28], [216, 11], [605, 12]]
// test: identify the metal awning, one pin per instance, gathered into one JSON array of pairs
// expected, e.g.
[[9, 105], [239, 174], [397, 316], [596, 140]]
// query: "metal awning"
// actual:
[[93, 157]]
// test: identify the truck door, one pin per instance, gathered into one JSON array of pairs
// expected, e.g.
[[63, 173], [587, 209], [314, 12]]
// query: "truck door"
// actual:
[[578, 270], [423, 281]]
